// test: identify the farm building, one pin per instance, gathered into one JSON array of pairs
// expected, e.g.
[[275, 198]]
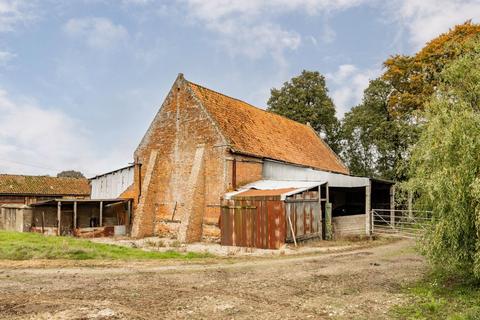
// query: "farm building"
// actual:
[[204, 151], [17, 192], [112, 184], [24, 190], [61, 206]]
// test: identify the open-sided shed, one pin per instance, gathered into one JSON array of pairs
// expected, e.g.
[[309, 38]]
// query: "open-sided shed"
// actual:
[[81, 217]]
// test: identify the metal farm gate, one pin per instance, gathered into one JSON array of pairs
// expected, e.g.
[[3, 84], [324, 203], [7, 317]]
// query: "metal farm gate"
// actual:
[[400, 223]]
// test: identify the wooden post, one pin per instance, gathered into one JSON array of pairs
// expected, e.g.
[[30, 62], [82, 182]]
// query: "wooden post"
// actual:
[[328, 221], [101, 214], [410, 205], [74, 216], [328, 193], [59, 217], [234, 173], [129, 212], [319, 224], [368, 213], [43, 222], [392, 206], [291, 225]]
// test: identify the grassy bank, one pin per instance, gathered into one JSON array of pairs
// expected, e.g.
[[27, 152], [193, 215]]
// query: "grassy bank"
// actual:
[[437, 297], [27, 246]]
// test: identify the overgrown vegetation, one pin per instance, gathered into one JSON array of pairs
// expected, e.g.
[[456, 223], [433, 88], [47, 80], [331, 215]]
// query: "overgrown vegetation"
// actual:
[[27, 246], [375, 138], [445, 169], [440, 297]]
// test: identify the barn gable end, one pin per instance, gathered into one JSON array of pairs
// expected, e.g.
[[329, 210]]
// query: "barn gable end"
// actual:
[[167, 188]]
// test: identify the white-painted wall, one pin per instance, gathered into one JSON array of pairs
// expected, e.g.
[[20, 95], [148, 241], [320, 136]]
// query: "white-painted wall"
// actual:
[[111, 185]]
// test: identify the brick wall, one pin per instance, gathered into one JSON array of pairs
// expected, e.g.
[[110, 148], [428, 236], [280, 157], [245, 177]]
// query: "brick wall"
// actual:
[[169, 190], [178, 191]]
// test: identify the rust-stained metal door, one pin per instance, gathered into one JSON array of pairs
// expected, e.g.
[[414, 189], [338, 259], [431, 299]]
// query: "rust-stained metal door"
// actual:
[[259, 223], [305, 216]]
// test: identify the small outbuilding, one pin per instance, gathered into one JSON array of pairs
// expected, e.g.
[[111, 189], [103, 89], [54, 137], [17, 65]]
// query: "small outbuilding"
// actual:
[[269, 213], [82, 217], [24, 190]]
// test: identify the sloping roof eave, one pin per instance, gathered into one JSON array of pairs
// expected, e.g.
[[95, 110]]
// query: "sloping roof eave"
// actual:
[[284, 161], [256, 132]]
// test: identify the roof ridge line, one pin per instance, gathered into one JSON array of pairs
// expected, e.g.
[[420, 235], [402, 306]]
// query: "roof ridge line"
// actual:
[[247, 103], [38, 176]]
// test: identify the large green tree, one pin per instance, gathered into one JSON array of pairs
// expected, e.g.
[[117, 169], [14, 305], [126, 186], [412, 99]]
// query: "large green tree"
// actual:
[[305, 99], [445, 168], [379, 133], [375, 143]]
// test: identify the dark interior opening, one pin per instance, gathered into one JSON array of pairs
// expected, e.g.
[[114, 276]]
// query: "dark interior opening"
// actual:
[[347, 201], [380, 198]]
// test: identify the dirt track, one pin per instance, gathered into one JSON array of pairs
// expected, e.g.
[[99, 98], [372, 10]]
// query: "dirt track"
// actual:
[[358, 284]]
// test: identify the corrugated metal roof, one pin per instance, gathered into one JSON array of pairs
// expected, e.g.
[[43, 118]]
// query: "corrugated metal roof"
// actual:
[[113, 171], [43, 185], [274, 187], [256, 132], [264, 193]]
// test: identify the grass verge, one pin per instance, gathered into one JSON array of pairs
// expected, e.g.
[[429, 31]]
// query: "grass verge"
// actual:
[[438, 297], [28, 246]]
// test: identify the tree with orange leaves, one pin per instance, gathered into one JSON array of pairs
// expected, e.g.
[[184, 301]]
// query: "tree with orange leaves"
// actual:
[[415, 78]]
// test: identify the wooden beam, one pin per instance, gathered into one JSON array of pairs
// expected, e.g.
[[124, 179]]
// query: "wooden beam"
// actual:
[[75, 215], [59, 217], [101, 213]]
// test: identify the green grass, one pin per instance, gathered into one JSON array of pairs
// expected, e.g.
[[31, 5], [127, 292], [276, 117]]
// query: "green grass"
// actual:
[[437, 297], [28, 246]]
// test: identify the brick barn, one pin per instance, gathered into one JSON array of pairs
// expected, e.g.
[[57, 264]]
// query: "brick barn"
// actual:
[[203, 144]]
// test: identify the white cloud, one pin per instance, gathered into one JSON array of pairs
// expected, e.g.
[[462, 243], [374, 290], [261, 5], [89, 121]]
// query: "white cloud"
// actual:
[[248, 27], [38, 140], [98, 33], [14, 12], [349, 83], [5, 57], [136, 2], [35, 139], [426, 19]]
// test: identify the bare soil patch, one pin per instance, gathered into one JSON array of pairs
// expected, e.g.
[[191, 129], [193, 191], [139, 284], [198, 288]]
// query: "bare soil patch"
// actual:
[[361, 283]]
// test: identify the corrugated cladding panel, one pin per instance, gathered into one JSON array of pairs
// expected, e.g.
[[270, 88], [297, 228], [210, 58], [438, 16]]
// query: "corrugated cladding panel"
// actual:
[[113, 184], [258, 222]]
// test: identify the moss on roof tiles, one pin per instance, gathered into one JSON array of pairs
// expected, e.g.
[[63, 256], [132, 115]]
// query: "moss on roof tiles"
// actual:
[[43, 185], [257, 132]]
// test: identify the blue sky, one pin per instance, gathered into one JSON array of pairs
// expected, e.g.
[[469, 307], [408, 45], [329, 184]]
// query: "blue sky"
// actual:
[[81, 80]]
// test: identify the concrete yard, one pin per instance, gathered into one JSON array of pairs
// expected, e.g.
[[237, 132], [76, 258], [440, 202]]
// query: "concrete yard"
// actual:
[[357, 283]]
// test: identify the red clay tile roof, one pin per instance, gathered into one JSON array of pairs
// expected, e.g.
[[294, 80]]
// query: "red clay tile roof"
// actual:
[[129, 193], [43, 185], [263, 134]]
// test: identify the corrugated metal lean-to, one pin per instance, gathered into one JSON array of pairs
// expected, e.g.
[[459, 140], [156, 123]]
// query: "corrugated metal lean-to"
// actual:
[[265, 218]]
